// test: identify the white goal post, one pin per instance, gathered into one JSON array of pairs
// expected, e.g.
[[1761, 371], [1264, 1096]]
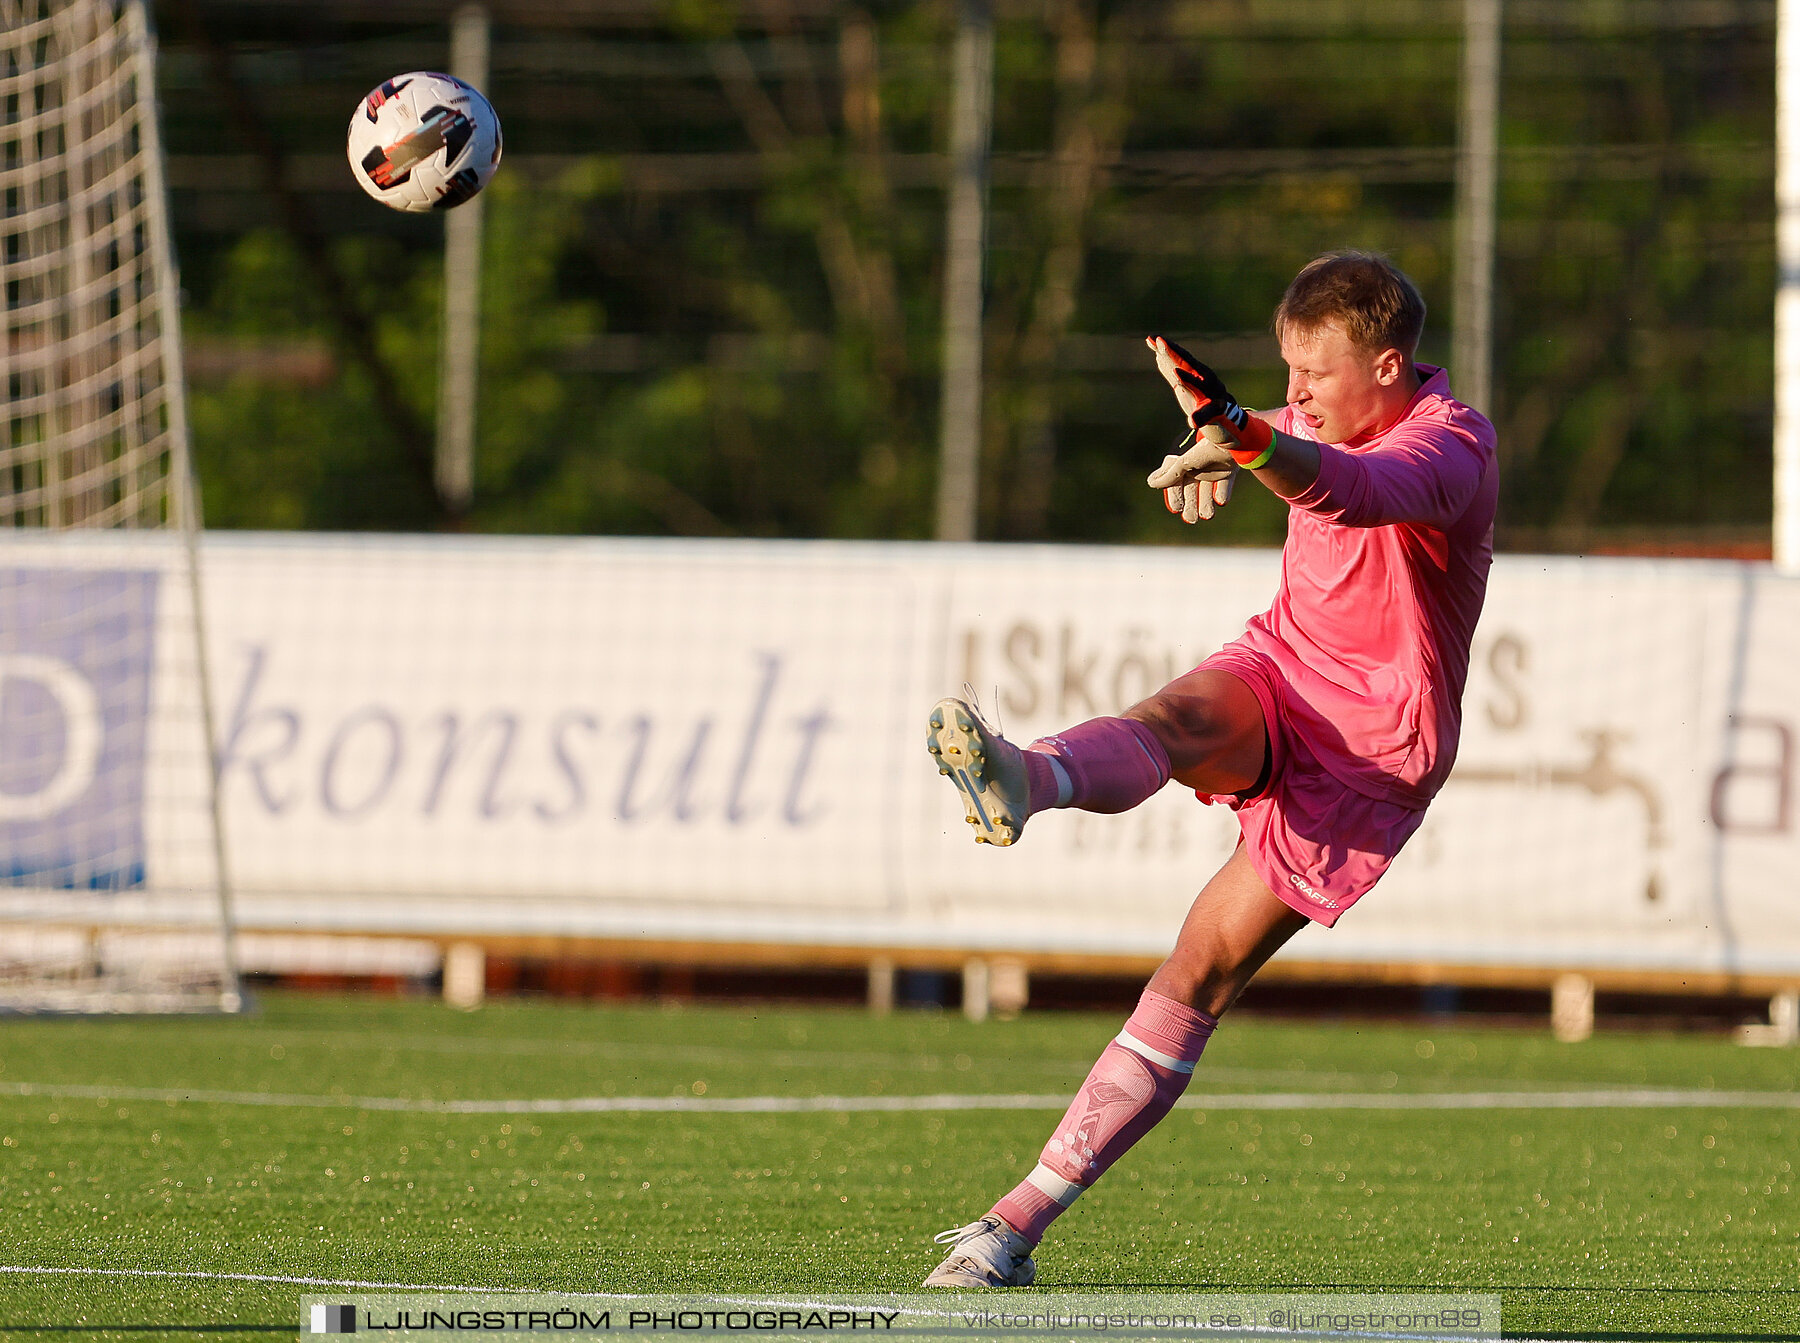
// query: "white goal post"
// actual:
[[113, 889]]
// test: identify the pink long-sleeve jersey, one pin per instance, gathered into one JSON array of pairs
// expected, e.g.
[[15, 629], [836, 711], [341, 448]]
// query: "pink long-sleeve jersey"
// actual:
[[1382, 580]]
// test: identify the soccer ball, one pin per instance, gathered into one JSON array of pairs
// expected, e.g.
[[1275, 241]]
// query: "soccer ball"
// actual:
[[424, 141]]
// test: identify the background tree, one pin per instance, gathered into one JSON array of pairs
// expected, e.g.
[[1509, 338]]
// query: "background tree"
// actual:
[[714, 257]]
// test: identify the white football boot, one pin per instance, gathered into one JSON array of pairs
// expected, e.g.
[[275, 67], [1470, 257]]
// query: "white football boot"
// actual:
[[988, 1253], [987, 769]]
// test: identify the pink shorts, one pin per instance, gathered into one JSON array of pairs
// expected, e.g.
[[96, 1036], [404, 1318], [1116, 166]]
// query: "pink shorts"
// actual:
[[1318, 843]]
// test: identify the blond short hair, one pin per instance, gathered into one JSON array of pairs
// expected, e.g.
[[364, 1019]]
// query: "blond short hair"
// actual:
[[1367, 295]]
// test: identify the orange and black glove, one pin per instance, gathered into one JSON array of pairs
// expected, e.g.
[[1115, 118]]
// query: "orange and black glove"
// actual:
[[1200, 391]]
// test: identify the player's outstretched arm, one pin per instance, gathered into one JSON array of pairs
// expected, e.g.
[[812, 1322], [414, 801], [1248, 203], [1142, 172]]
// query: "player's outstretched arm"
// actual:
[[1286, 464]]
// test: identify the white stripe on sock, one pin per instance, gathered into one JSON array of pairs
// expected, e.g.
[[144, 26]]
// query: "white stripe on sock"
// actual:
[[1155, 764], [1065, 786], [1049, 1182], [1156, 1056]]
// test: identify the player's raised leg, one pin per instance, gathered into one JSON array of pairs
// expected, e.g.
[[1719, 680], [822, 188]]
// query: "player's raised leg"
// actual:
[[1234, 926], [1204, 729]]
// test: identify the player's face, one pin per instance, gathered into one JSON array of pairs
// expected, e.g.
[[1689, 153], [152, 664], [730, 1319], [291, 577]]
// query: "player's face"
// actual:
[[1340, 390]]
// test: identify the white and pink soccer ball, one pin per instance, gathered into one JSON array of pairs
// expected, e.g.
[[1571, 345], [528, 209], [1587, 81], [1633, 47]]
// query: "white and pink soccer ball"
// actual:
[[424, 141]]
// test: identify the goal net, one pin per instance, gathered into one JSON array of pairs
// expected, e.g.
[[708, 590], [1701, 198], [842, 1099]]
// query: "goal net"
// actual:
[[112, 877]]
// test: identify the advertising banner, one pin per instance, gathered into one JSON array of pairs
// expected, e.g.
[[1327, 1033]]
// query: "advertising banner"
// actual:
[[725, 741]]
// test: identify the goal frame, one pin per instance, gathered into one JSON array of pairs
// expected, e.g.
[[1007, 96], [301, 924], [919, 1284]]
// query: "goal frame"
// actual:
[[152, 400]]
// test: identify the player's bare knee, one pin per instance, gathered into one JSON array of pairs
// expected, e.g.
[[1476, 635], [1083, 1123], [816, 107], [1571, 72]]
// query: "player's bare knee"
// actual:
[[1203, 981], [1202, 992], [1190, 727]]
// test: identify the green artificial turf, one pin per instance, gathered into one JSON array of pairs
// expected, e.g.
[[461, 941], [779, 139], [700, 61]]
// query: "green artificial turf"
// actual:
[[1623, 1223]]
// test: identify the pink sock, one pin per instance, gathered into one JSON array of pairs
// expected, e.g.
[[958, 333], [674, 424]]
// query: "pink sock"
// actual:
[[1104, 764], [1137, 1080]]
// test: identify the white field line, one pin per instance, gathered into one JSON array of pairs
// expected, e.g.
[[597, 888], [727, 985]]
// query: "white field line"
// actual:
[[723, 1298], [295, 1280], [763, 1055], [1600, 1099], [760, 1054], [262, 1277]]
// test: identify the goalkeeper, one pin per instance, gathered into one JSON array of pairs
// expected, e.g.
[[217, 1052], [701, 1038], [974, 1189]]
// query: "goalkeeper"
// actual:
[[1327, 727]]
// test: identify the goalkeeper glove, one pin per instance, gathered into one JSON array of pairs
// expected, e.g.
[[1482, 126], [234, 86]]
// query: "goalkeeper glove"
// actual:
[[1197, 482], [1200, 391]]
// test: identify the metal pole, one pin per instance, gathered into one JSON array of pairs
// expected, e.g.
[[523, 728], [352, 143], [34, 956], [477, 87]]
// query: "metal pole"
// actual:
[[971, 131], [458, 370], [1787, 292], [1472, 337]]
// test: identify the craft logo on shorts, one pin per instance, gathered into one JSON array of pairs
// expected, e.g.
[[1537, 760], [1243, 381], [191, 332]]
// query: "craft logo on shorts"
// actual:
[[333, 1319], [76, 649], [1318, 897]]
